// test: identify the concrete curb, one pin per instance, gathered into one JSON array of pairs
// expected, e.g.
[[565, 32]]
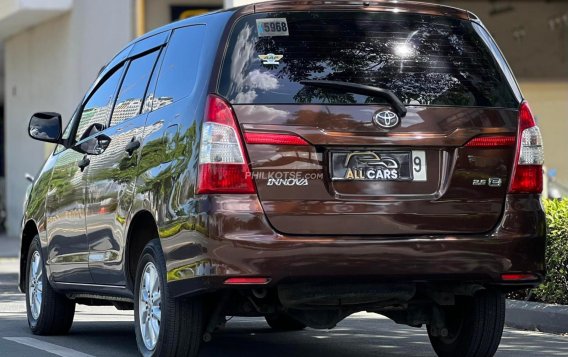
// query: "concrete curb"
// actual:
[[535, 316]]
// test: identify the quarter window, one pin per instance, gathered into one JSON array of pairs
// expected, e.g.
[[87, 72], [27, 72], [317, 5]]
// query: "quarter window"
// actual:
[[179, 68], [98, 108], [133, 88]]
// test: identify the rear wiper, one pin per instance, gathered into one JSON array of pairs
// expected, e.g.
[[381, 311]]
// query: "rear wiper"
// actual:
[[361, 89]]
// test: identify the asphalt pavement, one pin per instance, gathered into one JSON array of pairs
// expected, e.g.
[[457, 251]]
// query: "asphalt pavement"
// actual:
[[105, 331]]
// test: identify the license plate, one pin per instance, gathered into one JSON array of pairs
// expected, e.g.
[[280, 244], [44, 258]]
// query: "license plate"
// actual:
[[375, 165]]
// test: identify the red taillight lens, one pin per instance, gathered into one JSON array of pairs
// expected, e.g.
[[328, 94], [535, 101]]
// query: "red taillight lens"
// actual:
[[223, 166], [247, 281], [274, 139], [526, 118], [224, 178], [527, 168], [491, 141], [527, 179], [518, 277], [219, 111]]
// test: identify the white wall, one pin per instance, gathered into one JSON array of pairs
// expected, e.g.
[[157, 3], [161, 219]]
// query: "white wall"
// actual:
[[48, 68], [234, 3], [158, 11], [1, 74]]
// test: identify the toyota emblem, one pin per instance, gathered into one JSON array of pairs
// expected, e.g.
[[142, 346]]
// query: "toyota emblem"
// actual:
[[386, 119]]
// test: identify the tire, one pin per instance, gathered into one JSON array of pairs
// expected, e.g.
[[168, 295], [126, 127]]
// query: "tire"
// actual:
[[284, 322], [49, 313], [180, 322], [475, 326]]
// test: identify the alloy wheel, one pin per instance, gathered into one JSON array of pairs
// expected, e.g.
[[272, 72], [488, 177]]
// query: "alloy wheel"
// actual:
[[149, 306], [35, 285]]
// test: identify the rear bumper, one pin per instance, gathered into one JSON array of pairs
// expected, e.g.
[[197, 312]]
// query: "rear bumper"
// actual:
[[200, 260]]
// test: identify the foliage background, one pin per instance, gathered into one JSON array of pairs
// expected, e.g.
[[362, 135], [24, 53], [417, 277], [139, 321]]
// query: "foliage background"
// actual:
[[554, 290]]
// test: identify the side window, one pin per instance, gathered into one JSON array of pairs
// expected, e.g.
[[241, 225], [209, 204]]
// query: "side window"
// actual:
[[133, 88], [97, 109], [179, 68]]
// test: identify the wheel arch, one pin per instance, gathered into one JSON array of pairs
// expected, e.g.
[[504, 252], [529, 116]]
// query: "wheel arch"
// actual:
[[142, 229], [28, 233]]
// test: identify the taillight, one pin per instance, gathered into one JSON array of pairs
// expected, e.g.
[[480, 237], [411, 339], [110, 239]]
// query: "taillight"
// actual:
[[274, 139], [527, 170], [491, 141], [247, 281], [519, 276], [223, 166]]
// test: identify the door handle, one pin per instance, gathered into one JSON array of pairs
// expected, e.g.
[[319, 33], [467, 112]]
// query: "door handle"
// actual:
[[132, 146], [84, 163]]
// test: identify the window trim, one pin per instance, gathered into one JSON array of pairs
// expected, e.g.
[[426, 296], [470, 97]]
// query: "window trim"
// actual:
[[158, 50], [157, 70], [107, 71], [102, 81]]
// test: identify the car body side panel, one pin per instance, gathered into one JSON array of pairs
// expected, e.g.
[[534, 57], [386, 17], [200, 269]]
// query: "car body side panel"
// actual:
[[67, 245], [111, 185], [34, 205], [34, 208], [169, 155]]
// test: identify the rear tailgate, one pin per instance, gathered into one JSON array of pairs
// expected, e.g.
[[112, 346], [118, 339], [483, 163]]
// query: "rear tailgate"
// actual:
[[462, 190], [357, 177]]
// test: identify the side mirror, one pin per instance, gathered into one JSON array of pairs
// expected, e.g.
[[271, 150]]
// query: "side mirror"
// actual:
[[92, 130], [45, 126]]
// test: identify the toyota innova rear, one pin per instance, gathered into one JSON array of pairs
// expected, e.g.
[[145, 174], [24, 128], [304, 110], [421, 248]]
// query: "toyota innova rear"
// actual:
[[337, 157], [386, 162]]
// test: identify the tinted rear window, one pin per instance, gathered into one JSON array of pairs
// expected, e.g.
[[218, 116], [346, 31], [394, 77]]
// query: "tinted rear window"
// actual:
[[424, 60]]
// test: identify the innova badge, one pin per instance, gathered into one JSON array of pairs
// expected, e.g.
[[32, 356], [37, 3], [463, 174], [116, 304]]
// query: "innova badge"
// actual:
[[386, 119]]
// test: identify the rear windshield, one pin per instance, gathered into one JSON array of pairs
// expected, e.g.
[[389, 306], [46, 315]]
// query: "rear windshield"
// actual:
[[424, 60]]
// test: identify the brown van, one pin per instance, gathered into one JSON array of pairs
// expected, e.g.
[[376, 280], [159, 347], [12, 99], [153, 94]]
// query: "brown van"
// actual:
[[297, 160]]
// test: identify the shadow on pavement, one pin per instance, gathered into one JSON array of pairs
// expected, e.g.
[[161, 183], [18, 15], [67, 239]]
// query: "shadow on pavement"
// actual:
[[105, 331], [369, 338]]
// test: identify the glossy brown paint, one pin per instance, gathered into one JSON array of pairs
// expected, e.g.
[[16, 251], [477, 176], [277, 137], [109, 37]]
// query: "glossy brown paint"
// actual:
[[66, 239], [207, 238], [239, 241], [236, 235], [447, 202], [109, 196], [343, 5]]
